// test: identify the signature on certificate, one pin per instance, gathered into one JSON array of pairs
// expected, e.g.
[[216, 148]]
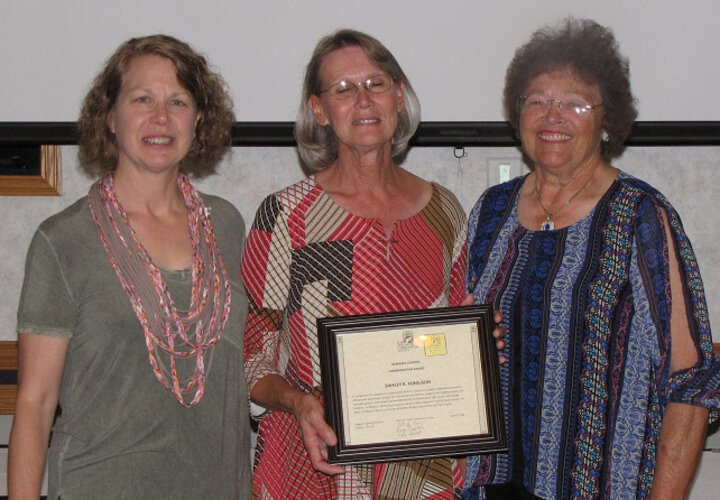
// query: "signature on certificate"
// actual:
[[409, 427]]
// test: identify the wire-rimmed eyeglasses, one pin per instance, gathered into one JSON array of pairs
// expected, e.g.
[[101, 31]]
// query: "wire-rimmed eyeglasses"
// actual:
[[345, 89], [540, 105]]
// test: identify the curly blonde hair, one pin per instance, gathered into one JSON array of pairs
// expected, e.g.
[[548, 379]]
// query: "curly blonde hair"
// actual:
[[98, 146]]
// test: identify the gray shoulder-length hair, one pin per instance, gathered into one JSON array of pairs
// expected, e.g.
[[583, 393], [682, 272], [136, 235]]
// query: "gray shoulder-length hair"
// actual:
[[317, 145]]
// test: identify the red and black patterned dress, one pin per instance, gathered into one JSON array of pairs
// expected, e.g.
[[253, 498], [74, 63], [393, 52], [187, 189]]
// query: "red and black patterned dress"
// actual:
[[306, 258]]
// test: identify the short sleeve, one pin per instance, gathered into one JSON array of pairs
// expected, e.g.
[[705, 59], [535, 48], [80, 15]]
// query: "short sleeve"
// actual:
[[46, 303], [698, 385]]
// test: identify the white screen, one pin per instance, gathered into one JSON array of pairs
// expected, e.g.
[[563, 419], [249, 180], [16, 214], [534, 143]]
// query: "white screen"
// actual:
[[454, 52]]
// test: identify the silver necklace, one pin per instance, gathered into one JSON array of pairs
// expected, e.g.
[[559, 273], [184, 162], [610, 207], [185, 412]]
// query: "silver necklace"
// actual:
[[548, 224]]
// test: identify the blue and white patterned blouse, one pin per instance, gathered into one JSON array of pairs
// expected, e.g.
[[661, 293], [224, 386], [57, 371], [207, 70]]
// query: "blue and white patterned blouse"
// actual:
[[586, 309]]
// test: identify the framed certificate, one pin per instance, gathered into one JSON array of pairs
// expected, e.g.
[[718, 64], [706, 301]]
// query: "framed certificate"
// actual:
[[412, 384]]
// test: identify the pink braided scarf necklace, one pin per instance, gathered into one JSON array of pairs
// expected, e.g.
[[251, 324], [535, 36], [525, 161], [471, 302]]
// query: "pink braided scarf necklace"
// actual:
[[171, 337]]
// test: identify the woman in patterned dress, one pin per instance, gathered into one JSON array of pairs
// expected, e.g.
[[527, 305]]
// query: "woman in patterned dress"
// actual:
[[362, 235], [611, 375]]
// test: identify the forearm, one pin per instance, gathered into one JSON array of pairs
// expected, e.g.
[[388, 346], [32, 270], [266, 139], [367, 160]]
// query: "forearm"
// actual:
[[683, 431], [41, 360], [28, 450], [274, 393]]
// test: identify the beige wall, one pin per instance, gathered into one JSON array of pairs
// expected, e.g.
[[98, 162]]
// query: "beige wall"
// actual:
[[688, 176]]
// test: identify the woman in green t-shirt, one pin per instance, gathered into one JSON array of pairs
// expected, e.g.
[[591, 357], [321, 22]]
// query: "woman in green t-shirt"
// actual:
[[132, 310]]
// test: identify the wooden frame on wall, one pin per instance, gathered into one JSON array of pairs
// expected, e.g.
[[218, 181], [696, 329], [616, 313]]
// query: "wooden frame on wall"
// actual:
[[47, 183]]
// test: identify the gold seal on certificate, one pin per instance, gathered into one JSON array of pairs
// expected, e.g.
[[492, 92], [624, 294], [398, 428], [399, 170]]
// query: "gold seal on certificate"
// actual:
[[412, 384]]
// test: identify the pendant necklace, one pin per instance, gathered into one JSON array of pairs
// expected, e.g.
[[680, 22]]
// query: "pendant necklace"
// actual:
[[548, 224]]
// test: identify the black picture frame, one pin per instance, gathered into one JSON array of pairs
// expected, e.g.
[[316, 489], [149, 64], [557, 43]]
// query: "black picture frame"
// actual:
[[330, 331]]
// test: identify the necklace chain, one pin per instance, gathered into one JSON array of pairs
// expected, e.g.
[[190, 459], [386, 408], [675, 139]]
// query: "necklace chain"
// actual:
[[172, 337], [548, 224]]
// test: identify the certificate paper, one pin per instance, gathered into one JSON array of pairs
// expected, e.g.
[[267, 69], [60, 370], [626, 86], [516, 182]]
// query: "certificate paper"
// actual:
[[406, 390], [412, 384]]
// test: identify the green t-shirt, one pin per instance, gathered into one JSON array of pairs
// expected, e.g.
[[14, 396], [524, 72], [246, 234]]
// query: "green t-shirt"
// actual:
[[120, 433]]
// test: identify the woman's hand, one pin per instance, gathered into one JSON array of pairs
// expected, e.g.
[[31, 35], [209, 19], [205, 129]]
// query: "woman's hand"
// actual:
[[274, 393], [498, 332], [316, 433]]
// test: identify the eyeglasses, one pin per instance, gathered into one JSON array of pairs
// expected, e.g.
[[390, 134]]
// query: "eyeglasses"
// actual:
[[537, 105], [345, 89]]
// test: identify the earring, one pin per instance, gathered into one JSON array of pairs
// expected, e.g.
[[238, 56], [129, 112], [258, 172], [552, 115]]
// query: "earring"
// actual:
[[605, 136]]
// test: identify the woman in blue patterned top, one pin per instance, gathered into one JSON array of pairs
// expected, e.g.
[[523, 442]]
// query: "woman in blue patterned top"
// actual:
[[611, 378]]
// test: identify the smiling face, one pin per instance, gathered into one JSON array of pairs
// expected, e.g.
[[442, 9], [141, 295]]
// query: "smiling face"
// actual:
[[560, 141], [364, 122], [154, 117]]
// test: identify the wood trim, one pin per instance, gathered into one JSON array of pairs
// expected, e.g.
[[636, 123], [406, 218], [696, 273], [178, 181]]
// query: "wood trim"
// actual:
[[48, 183], [8, 361], [8, 394], [8, 355]]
